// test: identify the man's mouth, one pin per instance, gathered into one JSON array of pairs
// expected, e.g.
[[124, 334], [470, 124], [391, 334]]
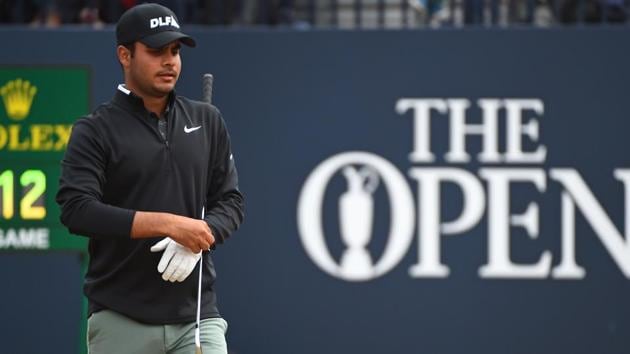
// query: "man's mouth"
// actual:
[[167, 74]]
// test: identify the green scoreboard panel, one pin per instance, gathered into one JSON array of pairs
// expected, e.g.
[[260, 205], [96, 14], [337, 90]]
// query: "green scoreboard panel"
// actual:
[[39, 106]]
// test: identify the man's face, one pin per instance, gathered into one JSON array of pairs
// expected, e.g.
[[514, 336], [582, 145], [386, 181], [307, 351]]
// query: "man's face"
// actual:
[[153, 72]]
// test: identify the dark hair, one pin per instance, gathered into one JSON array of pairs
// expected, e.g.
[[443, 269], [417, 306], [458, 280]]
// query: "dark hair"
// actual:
[[132, 49], [131, 46]]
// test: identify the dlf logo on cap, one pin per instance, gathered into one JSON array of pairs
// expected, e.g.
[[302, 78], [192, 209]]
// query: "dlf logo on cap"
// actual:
[[163, 27], [163, 21]]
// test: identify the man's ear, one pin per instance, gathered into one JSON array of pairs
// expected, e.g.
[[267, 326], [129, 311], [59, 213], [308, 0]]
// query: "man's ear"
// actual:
[[124, 56]]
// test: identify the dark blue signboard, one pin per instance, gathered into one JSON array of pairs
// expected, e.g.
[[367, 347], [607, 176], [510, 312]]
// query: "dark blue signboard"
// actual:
[[415, 191]]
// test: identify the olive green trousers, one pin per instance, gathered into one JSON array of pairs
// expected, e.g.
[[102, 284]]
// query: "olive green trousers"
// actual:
[[110, 332]]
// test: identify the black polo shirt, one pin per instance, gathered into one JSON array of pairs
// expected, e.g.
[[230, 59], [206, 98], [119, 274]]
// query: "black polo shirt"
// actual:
[[117, 162]]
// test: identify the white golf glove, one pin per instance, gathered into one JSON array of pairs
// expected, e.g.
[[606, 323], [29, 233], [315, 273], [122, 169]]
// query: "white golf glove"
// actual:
[[177, 262]]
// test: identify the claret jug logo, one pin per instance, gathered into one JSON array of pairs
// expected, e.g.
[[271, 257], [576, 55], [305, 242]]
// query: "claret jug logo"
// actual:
[[17, 96], [512, 155], [356, 213]]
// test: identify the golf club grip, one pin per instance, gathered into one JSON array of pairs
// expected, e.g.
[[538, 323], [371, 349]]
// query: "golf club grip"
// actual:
[[206, 82]]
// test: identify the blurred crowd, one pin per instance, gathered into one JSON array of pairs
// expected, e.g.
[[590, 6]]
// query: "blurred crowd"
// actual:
[[335, 13], [526, 12], [53, 13]]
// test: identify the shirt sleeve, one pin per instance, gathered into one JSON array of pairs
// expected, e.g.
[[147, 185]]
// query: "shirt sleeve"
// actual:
[[225, 203], [81, 188]]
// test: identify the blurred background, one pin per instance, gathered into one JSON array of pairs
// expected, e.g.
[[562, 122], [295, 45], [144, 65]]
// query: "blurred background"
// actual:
[[330, 13], [420, 176]]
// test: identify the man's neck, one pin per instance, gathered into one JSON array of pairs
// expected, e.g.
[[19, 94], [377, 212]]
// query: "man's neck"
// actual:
[[156, 105], [153, 104]]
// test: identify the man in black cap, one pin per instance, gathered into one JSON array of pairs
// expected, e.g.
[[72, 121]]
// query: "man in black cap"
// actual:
[[136, 177]]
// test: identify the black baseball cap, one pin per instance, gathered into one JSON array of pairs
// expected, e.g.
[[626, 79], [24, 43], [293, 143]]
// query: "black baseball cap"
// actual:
[[152, 24]]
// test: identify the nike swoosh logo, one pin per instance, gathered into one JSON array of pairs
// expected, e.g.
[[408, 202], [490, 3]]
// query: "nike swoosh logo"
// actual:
[[190, 130]]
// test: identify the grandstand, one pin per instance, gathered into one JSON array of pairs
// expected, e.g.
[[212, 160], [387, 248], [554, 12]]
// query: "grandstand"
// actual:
[[332, 13]]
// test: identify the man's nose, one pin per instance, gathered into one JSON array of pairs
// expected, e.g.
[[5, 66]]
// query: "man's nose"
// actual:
[[168, 59]]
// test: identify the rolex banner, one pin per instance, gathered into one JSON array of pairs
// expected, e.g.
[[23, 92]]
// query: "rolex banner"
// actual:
[[39, 105]]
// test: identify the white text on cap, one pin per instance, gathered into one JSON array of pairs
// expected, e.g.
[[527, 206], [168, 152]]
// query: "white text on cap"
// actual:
[[163, 21]]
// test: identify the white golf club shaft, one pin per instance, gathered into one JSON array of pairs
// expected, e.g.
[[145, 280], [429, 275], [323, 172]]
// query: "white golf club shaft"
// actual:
[[197, 339]]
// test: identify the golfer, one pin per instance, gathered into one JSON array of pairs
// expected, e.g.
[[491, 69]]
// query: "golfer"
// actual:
[[136, 177]]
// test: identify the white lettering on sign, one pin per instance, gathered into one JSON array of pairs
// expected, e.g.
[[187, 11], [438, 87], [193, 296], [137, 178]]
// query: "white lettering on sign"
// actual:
[[456, 109], [25, 238], [485, 192]]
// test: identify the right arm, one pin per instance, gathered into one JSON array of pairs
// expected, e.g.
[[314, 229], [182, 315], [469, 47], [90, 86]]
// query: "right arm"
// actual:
[[83, 212], [81, 187]]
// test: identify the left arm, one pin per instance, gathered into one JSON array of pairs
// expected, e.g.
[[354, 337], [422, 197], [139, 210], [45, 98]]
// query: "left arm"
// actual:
[[225, 204]]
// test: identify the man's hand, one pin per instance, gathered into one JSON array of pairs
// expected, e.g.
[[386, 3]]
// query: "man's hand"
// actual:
[[191, 233], [177, 262]]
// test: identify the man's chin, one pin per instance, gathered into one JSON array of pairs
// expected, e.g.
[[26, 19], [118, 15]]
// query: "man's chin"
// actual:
[[164, 89]]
